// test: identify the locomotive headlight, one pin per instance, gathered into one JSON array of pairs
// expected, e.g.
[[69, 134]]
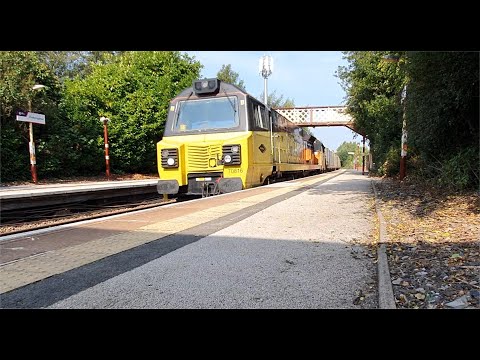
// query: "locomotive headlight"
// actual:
[[206, 86], [169, 158], [231, 154]]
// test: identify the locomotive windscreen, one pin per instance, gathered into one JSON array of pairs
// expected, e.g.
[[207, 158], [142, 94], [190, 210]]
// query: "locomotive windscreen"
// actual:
[[207, 114]]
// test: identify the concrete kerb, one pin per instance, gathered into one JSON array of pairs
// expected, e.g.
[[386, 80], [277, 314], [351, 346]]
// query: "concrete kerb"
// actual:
[[386, 299]]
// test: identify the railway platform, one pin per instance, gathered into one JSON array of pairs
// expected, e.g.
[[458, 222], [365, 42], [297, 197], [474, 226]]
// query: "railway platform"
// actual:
[[25, 196], [292, 244]]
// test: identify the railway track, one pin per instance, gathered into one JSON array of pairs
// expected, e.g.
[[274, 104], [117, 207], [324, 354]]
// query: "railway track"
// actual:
[[36, 218]]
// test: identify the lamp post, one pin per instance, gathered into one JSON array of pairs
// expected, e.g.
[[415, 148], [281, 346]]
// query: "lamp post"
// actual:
[[105, 120], [404, 146], [31, 144]]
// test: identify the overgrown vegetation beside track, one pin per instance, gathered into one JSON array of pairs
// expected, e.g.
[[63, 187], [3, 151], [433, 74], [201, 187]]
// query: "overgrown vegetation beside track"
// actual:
[[441, 108]]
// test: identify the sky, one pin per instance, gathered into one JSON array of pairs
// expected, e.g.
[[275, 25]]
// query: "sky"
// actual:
[[306, 77]]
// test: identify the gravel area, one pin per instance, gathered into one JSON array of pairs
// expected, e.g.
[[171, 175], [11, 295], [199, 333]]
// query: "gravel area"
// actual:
[[270, 260]]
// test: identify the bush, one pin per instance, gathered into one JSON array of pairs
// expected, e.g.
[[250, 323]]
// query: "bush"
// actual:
[[15, 158], [458, 172], [461, 171], [391, 165]]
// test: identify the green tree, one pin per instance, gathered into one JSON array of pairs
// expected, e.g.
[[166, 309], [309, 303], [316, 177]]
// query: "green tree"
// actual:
[[277, 101], [131, 88], [373, 89], [441, 109], [62, 63], [19, 71], [227, 75], [68, 64], [346, 158], [442, 116], [134, 91]]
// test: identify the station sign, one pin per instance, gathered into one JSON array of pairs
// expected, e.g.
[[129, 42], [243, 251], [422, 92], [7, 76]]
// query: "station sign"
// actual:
[[31, 117]]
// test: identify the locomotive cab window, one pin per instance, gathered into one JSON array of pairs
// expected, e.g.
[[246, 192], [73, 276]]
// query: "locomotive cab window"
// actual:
[[207, 114]]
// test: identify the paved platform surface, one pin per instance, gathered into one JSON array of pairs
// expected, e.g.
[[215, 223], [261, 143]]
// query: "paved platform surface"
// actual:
[[287, 245]]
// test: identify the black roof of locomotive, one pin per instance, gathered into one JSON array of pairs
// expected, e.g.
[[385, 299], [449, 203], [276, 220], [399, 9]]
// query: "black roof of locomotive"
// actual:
[[224, 87]]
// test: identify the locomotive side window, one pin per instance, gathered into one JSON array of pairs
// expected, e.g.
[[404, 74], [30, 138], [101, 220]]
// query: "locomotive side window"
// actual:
[[258, 115], [259, 118]]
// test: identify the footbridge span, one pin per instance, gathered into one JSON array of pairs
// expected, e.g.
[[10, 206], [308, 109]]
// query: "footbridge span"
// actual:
[[320, 116]]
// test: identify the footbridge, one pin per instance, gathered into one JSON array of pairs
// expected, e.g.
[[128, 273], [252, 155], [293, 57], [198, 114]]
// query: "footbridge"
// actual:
[[320, 116]]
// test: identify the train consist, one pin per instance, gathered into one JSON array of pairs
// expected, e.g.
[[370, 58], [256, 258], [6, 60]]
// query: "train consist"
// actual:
[[220, 139]]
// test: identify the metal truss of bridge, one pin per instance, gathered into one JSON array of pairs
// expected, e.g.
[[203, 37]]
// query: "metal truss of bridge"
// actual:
[[319, 116]]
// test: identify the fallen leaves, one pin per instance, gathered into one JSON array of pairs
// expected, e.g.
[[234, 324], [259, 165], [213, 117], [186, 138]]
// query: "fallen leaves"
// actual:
[[433, 253], [420, 296]]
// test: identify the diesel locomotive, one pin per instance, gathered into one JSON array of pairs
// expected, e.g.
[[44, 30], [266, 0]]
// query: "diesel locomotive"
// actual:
[[219, 139]]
